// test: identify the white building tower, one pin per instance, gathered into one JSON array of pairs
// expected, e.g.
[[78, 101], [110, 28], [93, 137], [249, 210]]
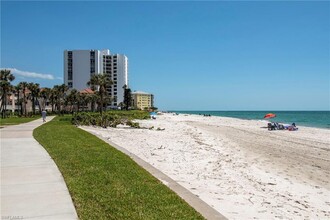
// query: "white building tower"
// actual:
[[79, 65], [115, 66]]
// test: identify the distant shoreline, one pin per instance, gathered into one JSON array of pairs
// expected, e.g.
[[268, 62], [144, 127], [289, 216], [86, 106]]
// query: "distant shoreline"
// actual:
[[313, 119]]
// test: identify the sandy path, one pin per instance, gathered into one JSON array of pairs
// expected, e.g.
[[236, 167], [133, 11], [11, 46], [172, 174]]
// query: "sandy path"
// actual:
[[239, 168]]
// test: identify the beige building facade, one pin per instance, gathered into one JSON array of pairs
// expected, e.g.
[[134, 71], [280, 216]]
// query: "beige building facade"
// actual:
[[142, 100]]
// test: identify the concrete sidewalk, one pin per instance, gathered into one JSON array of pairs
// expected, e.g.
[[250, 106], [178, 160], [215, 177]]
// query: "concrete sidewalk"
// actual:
[[31, 184]]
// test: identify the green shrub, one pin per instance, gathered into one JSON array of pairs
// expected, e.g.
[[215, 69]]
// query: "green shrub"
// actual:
[[133, 124], [109, 118]]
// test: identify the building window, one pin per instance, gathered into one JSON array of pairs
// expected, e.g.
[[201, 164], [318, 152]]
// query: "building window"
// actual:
[[70, 75], [92, 61], [70, 84], [69, 65]]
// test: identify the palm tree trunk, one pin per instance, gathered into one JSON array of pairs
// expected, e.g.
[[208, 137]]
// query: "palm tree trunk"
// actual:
[[22, 109], [2, 105], [39, 106], [24, 101], [18, 104], [5, 105], [101, 102], [59, 106], [52, 106], [33, 105], [25, 109]]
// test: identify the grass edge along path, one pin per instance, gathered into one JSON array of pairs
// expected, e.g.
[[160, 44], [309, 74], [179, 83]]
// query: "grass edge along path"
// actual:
[[16, 120], [103, 182]]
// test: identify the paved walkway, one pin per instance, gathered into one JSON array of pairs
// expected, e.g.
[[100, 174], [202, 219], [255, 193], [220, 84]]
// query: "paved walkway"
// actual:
[[31, 184]]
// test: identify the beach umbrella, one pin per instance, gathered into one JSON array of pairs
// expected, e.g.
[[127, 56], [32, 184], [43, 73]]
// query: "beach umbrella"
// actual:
[[269, 115]]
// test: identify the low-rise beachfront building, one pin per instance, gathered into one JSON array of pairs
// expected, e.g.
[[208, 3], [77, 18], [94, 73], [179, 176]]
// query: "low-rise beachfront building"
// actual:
[[142, 100], [15, 103], [80, 65], [11, 102], [87, 101]]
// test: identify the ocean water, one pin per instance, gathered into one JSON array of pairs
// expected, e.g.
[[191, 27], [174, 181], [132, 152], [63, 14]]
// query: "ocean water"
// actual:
[[319, 119]]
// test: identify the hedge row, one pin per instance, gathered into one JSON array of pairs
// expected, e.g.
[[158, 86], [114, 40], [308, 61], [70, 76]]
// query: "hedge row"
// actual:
[[109, 119]]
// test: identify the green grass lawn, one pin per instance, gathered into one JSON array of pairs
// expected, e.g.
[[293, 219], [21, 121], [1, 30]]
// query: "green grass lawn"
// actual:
[[105, 183], [16, 120]]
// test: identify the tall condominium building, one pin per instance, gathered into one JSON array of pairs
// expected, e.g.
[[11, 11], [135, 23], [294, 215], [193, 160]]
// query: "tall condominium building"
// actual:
[[115, 66], [80, 65]]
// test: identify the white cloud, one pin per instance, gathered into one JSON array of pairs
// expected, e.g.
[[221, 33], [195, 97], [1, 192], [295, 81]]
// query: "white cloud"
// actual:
[[30, 74]]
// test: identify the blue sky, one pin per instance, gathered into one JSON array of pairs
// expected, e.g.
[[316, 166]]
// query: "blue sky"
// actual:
[[190, 55]]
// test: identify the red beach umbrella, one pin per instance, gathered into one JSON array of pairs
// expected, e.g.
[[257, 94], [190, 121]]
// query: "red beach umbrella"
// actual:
[[270, 115]]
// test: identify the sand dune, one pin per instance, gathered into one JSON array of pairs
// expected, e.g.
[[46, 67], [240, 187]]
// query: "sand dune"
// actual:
[[237, 166]]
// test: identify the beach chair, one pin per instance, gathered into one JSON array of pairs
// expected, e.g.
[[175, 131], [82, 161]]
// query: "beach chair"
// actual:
[[278, 126], [271, 126], [281, 126]]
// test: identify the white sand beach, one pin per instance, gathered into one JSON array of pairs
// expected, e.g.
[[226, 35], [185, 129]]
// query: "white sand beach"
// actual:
[[237, 166]]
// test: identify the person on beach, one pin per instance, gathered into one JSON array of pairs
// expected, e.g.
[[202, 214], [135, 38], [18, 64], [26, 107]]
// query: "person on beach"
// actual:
[[43, 114], [293, 127]]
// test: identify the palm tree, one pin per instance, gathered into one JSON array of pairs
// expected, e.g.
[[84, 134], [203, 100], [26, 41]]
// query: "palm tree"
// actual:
[[45, 95], [52, 97], [127, 97], [79, 101], [72, 99], [58, 95], [24, 86], [17, 89], [62, 93], [35, 92], [6, 78], [93, 100], [100, 82], [85, 99]]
